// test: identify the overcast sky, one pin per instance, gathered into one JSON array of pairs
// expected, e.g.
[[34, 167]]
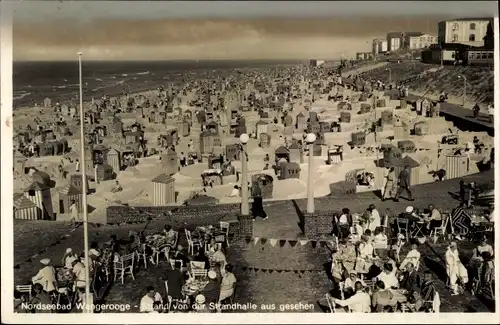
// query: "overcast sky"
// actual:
[[56, 30]]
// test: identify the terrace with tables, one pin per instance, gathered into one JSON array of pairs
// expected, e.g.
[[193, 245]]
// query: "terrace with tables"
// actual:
[[278, 256]]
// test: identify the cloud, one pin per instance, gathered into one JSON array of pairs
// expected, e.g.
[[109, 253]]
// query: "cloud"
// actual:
[[157, 39]]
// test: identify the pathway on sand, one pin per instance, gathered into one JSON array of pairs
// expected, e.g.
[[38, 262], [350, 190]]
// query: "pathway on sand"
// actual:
[[454, 110]]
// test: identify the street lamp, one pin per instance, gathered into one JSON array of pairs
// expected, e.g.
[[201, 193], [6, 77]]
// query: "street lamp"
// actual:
[[88, 298], [390, 74], [244, 175], [310, 139], [465, 88]]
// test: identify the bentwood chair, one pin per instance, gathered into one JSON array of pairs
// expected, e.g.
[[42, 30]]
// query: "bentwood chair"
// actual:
[[124, 266], [25, 289]]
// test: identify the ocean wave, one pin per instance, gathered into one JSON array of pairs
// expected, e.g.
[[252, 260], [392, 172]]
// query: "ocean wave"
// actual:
[[20, 95], [110, 85], [142, 73]]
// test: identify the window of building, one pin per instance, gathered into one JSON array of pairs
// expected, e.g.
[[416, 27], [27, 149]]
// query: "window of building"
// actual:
[[453, 55], [472, 38], [490, 55], [420, 45], [472, 26], [455, 38], [484, 56], [413, 45], [429, 39], [455, 26]]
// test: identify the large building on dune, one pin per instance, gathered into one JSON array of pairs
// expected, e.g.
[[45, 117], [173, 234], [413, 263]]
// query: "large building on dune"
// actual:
[[394, 41], [418, 40], [379, 46], [316, 63], [466, 31]]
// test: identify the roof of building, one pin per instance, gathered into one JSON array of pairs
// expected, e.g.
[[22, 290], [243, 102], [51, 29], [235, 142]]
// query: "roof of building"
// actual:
[[100, 147], [35, 186], [414, 34], [70, 189], [113, 151], [262, 122], [41, 177], [468, 19], [394, 34], [163, 179], [22, 202]]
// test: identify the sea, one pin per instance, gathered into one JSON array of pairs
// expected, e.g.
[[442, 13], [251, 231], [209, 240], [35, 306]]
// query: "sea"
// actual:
[[59, 80]]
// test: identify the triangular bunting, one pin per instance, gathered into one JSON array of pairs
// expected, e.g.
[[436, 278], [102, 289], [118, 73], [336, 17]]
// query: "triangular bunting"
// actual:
[[273, 242], [314, 243], [256, 240], [264, 270], [271, 271], [28, 260], [279, 271], [282, 242], [295, 271], [303, 242], [322, 243], [263, 241], [292, 243], [302, 271]]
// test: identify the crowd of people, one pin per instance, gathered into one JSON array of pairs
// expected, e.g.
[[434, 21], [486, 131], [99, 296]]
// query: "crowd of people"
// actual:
[[369, 275], [198, 276]]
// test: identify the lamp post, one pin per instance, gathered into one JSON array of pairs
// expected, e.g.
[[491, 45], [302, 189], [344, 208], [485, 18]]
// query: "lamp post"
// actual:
[[88, 298], [310, 139], [244, 175], [390, 74], [465, 88]]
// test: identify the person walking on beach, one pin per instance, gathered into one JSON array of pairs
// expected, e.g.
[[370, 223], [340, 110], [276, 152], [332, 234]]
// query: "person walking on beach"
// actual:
[[491, 113], [257, 206], [404, 184], [75, 216], [77, 166], [389, 184], [475, 110]]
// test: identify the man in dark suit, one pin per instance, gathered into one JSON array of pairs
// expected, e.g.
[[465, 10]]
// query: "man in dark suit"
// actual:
[[175, 281], [404, 184], [411, 279]]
